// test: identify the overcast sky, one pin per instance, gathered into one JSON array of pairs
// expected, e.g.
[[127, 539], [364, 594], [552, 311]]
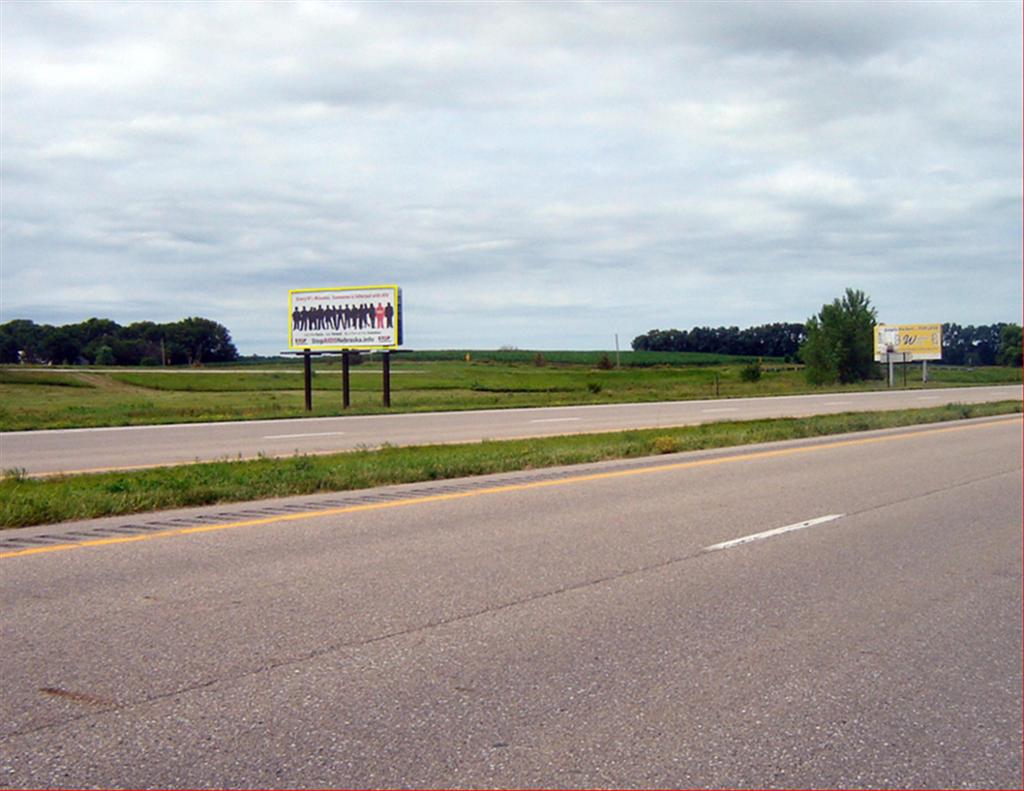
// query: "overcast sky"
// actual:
[[538, 175]]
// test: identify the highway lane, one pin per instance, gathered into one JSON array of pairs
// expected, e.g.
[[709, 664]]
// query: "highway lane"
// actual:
[[557, 632], [76, 450]]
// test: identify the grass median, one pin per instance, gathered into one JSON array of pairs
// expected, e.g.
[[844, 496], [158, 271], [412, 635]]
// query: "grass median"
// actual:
[[31, 501]]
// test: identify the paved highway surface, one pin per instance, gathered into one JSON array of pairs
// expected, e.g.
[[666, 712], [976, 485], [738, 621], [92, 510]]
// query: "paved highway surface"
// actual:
[[76, 450], [593, 626]]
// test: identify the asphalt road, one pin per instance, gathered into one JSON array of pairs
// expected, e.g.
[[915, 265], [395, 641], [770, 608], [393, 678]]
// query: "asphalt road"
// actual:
[[552, 628], [78, 450]]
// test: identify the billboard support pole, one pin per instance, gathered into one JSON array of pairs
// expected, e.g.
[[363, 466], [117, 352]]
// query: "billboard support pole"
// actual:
[[345, 390], [892, 370], [904, 369], [307, 370], [924, 371], [387, 378]]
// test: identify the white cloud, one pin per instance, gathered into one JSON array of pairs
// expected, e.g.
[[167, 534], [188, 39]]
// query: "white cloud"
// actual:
[[555, 169]]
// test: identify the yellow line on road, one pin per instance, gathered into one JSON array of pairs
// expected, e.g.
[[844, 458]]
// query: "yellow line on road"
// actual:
[[513, 487]]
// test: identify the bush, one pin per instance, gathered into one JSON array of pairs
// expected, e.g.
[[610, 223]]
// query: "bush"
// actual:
[[666, 444], [594, 387], [605, 363], [751, 372]]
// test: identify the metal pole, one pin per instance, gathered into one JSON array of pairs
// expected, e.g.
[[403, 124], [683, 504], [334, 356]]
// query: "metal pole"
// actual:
[[345, 391], [904, 369], [307, 370], [387, 378], [618, 363], [924, 371], [892, 369]]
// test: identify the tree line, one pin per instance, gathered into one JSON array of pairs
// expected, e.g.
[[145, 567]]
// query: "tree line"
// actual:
[[767, 340], [836, 344], [190, 341], [985, 344]]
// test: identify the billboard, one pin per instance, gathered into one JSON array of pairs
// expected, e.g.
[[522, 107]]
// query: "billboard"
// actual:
[[325, 319], [916, 341]]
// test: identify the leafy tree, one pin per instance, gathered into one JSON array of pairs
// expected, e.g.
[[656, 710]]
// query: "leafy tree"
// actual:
[[973, 345], [987, 340], [953, 351], [62, 346], [1010, 351], [839, 345], [8, 347], [94, 328], [105, 356], [145, 331], [199, 340], [25, 336], [192, 340], [94, 334]]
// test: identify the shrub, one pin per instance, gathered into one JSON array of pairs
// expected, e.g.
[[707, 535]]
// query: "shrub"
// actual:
[[751, 372], [665, 444]]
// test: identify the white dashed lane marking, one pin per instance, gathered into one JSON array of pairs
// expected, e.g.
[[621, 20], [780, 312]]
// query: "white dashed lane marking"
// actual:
[[778, 531]]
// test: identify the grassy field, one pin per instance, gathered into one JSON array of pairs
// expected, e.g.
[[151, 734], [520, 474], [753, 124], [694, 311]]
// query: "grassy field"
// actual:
[[26, 501], [628, 359], [69, 398]]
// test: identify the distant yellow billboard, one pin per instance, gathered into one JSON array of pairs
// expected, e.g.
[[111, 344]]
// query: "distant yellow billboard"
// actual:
[[908, 342]]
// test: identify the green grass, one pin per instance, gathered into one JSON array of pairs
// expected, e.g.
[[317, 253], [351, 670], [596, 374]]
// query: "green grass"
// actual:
[[27, 501], [985, 375], [628, 359], [14, 377], [72, 398]]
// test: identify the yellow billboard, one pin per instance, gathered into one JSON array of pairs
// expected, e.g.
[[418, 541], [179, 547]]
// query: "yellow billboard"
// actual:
[[908, 342]]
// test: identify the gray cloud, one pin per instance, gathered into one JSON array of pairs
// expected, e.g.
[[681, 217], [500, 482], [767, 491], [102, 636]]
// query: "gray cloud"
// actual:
[[533, 174]]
